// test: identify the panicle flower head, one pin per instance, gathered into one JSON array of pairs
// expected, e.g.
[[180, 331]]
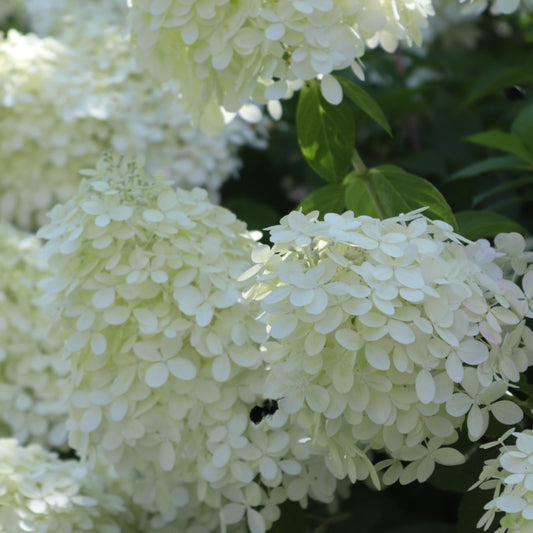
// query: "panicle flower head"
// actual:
[[33, 374], [65, 99], [42, 493], [388, 335], [224, 52], [510, 475], [166, 355]]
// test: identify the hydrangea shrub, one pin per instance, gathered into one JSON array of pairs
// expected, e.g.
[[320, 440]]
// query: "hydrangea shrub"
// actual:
[[42, 493], [166, 354], [225, 52], [33, 374], [388, 335], [65, 99]]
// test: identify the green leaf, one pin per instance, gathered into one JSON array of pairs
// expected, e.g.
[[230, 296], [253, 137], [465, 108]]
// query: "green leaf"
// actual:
[[327, 199], [364, 102], [387, 191], [501, 188], [484, 224], [495, 80], [523, 126], [257, 215], [503, 162], [471, 510], [501, 140], [326, 133], [292, 519]]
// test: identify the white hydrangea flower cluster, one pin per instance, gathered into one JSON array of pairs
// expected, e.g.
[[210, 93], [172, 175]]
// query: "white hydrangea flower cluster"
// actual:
[[42, 493], [58, 18], [388, 335], [455, 23], [166, 355], [63, 101], [33, 374], [224, 52], [510, 475]]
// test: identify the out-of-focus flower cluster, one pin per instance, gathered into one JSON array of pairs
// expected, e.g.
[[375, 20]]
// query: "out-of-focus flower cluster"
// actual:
[[166, 355], [32, 373], [63, 100], [455, 23], [388, 335], [41, 493], [224, 52], [500, 7], [11, 9], [66, 18], [510, 475]]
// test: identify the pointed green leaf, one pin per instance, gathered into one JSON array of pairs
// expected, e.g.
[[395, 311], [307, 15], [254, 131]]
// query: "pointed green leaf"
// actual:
[[485, 224], [504, 162], [326, 133], [364, 102], [501, 140], [327, 199], [388, 191], [523, 126], [502, 188]]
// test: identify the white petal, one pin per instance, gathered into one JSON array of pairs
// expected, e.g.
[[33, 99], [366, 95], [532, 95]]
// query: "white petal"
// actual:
[[255, 521], [275, 32], [425, 386], [242, 471], [221, 368], [377, 357], [91, 419], [233, 513], [331, 89], [477, 422], [284, 326], [98, 344], [473, 352], [317, 398], [116, 315], [153, 215], [78, 340], [458, 404], [506, 412], [156, 375], [510, 504], [349, 339], [167, 456], [121, 212], [400, 332], [103, 298], [182, 368]]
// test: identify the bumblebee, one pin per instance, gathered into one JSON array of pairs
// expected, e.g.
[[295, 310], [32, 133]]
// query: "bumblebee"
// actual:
[[267, 408]]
